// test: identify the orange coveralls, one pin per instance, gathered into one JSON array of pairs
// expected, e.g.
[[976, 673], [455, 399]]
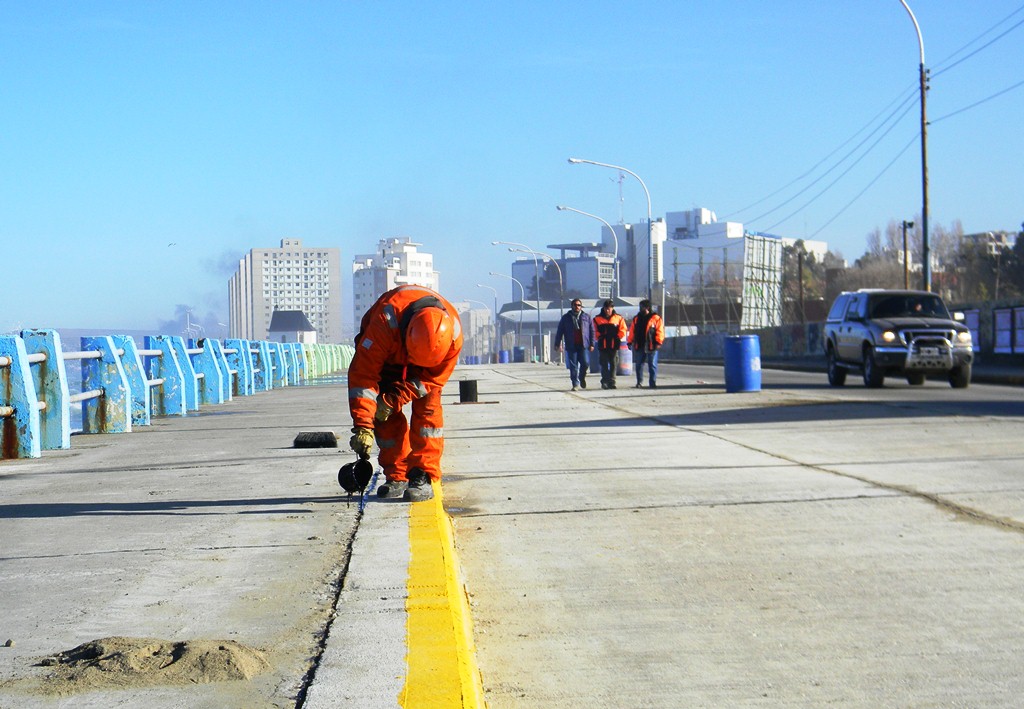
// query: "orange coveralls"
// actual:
[[381, 366]]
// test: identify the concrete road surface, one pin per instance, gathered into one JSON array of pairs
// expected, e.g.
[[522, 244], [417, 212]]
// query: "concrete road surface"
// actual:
[[684, 547]]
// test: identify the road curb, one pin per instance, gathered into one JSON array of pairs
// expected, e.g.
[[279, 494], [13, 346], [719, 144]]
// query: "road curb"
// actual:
[[442, 666]]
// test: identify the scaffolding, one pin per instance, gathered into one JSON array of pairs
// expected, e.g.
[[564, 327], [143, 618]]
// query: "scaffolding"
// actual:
[[762, 282], [726, 286]]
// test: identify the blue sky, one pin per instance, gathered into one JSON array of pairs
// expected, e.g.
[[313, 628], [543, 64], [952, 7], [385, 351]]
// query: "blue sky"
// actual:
[[219, 127]]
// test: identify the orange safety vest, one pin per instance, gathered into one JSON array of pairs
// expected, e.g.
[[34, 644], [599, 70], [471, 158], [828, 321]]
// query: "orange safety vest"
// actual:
[[610, 331]]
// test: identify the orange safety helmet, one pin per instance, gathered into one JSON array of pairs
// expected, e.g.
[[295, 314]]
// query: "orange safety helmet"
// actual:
[[429, 337]]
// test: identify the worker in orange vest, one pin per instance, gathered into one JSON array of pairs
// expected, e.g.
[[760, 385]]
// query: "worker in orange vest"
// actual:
[[611, 331], [407, 347], [646, 335]]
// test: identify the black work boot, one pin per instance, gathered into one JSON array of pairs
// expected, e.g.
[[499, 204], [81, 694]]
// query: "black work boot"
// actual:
[[419, 488], [392, 489]]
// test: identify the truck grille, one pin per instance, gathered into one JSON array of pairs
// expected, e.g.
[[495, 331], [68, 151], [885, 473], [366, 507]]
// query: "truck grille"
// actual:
[[928, 349]]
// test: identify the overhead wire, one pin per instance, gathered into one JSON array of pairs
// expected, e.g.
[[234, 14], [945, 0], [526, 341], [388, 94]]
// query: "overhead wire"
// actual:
[[869, 186], [843, 174], [899, 99], [903, 150], [936, 71], [977, 103], [907, 105]]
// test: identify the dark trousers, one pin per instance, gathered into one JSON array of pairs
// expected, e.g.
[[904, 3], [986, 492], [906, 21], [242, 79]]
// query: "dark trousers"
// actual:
[[609, 360], [651, 359], [576, 363]]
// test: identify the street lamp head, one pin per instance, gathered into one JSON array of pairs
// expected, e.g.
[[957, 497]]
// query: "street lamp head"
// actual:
[[495, 243], [575, 161], [560, 208]]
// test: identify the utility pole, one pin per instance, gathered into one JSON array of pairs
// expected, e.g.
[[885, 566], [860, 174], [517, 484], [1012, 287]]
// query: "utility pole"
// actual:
[[800, 281], [926, 258]]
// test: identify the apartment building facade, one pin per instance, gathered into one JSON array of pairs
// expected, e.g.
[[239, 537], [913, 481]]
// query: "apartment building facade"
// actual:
[[397, 261], [292, 277]]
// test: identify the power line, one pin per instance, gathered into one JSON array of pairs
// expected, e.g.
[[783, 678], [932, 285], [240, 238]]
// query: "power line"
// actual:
[[908, 94], [984, 46], [906, 109], [869, 185], [977, 103], [901, 99]]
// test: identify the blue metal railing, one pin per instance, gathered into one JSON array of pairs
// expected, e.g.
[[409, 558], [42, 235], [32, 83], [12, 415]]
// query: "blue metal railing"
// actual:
[[123, 385]]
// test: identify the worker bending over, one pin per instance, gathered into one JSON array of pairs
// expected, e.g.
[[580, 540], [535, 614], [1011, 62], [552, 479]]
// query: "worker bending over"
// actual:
[[407, 347]]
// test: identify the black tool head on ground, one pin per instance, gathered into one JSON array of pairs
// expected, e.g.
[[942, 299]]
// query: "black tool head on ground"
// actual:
[[354, 477], [316, 439]]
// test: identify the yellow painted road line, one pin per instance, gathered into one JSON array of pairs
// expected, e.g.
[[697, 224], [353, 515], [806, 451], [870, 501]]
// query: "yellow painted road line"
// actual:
[[442, 668]]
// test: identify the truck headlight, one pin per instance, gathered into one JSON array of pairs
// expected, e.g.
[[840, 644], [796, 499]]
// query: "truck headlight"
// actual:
[[963, 338], [889, 336]]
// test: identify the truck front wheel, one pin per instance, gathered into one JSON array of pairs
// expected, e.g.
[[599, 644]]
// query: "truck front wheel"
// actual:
[[874, 376], [960, 377], [836, 373]]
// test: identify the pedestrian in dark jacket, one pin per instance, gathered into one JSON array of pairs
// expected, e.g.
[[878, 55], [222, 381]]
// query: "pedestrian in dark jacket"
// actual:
[[610, 328], [576, 330]]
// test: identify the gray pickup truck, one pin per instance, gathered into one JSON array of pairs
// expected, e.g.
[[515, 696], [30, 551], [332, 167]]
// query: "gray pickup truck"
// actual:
[[896, 333]]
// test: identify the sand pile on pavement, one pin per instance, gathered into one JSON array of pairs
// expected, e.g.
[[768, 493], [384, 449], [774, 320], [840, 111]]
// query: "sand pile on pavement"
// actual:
[[139, 662]]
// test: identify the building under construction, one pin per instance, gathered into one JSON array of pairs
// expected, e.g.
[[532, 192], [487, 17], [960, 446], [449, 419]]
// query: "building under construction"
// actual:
[[723, 283]]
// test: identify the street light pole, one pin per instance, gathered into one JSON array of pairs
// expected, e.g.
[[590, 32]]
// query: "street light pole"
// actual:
[[650, 243], [495, 291], [469, 300], [557, 268], [536, 266], [926, 266], [615, 284], [522, 297]]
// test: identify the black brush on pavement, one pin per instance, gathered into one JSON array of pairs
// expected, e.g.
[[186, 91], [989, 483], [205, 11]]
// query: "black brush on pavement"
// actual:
[[315, 439]]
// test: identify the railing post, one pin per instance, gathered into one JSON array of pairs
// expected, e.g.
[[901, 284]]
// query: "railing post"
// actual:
[[293, 363], [298, 350], [190, 385], [19, 433], [212, 386], [217, 352], [169, 399], [131, 362], [264, 368], [51, 382], [280, 364], [241, 361], [111, 412], [321, 360], [311, 363]]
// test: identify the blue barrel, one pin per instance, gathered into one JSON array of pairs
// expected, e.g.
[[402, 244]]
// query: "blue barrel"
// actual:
[[518, 354], [742, 363], [625, 360], [503, 357]]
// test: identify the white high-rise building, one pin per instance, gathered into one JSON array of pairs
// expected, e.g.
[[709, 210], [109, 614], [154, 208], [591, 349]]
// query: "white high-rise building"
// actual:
[[396, 262], [292, 277]]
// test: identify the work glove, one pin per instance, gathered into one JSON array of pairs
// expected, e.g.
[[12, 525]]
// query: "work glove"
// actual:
[[361, 442], [385, 407]]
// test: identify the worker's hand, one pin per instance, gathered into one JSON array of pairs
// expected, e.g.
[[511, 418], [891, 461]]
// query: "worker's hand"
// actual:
[[385, 406], [361, 442]]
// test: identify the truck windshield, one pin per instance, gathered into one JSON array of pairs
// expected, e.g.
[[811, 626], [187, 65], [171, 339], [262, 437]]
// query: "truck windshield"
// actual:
[[908, 306]]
